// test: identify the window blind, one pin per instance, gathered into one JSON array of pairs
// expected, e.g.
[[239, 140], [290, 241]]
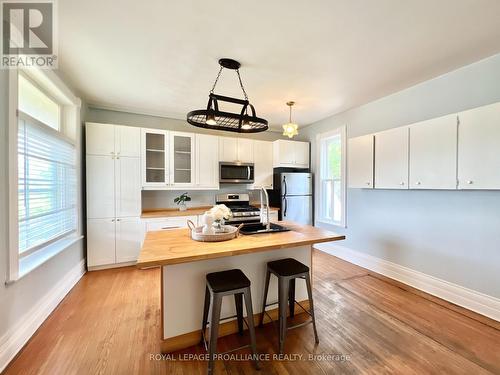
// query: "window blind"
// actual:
[[47, 185]]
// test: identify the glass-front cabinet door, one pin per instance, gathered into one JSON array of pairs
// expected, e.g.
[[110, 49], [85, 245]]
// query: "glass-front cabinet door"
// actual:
[[155, 164], [182, 159]]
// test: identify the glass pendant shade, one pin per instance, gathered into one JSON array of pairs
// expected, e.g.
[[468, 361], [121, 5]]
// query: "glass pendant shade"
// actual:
[[290, 129]]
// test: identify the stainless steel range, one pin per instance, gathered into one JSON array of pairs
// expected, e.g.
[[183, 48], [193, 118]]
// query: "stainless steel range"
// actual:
[[239, 204]]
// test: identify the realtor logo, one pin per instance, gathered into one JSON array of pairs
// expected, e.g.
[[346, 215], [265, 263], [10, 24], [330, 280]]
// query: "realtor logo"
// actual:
[[28, 34]]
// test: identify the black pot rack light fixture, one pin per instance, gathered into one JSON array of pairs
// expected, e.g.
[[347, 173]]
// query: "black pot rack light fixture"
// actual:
[[214, 118]]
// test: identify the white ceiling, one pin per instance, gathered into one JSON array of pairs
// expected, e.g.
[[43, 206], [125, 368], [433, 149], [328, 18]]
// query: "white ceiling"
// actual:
[[160, 57]]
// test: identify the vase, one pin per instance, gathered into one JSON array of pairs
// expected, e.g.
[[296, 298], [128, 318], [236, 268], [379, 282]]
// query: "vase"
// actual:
[[207, 220], [218, 226], [182, 207]]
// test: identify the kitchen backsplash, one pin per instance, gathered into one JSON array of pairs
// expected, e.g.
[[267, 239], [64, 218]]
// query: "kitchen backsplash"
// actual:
[[156, 199]]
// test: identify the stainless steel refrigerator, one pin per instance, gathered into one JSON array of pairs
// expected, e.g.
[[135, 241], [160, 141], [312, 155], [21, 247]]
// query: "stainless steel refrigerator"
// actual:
[[293, 194]]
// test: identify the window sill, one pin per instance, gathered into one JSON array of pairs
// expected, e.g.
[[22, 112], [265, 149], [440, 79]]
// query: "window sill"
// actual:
[[332, 223], [35, 260]]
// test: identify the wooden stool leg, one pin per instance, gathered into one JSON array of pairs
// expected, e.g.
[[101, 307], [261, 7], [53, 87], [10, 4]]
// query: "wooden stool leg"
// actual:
[[206, 308], [251, 328], [238, 301], [216, 302], [282, 303], [266, 288], [291, 298], [311, 307]]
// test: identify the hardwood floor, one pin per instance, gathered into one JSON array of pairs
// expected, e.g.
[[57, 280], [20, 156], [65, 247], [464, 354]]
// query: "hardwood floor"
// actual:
[[110, 323]]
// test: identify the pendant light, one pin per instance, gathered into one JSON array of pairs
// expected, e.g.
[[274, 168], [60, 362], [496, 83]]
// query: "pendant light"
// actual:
[[214, 118], [290, 129]]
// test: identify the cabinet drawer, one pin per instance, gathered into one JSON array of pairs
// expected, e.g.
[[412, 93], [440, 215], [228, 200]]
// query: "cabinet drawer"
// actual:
[[169, 223]]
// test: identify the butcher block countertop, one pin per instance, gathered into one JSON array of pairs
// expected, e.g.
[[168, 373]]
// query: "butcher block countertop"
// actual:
[[176, 246], [174, 212]]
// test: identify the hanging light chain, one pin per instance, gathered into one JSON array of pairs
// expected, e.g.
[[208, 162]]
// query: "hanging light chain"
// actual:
[[239, 79], [216, 80], [241, 84]]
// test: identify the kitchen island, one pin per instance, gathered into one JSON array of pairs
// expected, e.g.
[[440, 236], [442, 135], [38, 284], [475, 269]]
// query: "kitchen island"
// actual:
[[185, 263]]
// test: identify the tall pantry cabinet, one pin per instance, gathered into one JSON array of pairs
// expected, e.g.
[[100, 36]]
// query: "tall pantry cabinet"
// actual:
[[113, 165]]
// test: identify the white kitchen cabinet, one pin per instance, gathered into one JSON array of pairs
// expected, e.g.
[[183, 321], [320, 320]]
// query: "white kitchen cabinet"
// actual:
[[360, 162], [113, 186], [100, 242], [155, 158], [129, 236], [100, 139], [228, 149], [207, 161], [100, 186], [391, 159], [127, 186], [433, 154], [245, 150], [290, 154], [113, 197], [127, 141], [263, 165], [236, 150], [182, 159], [302, 154], [109, 139], [169, 223], [479, 148]]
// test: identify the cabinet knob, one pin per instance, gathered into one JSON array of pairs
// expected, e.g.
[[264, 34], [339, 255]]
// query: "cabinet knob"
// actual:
[[470, 182], [368, 183], [418, 183], [401, 183]]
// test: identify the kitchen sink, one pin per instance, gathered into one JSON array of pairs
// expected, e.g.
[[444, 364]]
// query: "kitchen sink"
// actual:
[[256, 228]]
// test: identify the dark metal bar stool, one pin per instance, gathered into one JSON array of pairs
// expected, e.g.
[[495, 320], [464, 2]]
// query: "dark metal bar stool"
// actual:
[[287, 270], [220, 284]]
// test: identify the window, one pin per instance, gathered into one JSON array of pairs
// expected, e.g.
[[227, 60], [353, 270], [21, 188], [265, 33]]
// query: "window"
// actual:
[[44, 192], [35, 103], [331, 167], [46, 185]]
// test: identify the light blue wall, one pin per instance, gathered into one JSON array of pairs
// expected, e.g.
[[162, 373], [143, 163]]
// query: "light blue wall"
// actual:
[[452, 235]]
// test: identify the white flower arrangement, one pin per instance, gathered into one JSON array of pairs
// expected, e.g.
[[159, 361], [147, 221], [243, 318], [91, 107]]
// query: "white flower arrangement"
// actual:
[[220, 212]]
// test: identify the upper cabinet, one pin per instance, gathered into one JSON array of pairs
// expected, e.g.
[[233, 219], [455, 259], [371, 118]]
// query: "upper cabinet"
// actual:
[[391, 159], [236, 150], [182, 159], [290, 154], [263, 164], [207, 161], [433, 153], [360, 162], [127, 141], [155, 166], [108, 139], [479, 148]]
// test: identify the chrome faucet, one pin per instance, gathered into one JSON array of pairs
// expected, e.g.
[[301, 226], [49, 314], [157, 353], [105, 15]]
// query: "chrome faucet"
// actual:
[[267, 222]]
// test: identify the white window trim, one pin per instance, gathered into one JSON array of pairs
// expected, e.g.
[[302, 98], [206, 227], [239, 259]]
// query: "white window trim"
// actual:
[[342, 131], [71, 105]]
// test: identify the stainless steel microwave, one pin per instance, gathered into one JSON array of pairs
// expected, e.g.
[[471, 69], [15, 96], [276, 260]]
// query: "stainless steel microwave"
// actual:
[[236, 173]]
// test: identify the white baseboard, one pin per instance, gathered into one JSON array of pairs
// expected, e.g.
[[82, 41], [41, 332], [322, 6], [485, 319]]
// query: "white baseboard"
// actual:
[[470, 299], [19, 334], [109, 266]]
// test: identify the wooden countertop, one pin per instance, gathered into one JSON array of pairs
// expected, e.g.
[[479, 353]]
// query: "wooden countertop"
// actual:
[[176, 246], [174, 212]]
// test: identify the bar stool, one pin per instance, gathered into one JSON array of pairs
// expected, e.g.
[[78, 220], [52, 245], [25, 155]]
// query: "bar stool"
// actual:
[[287, 270], [220, 284]]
